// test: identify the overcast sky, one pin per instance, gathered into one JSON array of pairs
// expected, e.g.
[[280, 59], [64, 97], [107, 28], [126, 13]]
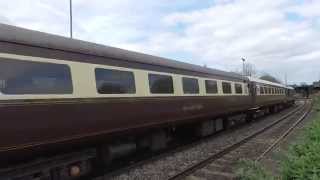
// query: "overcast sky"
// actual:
[[277, 36]]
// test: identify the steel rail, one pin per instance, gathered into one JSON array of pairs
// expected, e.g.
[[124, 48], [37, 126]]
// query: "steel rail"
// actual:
[[284, 135], [230, 148]]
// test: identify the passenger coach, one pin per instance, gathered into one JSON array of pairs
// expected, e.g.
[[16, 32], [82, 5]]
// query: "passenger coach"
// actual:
[[64, 95], [270, 96]]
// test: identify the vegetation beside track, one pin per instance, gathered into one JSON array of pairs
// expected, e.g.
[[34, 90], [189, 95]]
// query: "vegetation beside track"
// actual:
[[302, 161], [251, 170]]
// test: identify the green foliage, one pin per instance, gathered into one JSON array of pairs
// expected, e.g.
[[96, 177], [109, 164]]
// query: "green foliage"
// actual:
[[250, 170], [303, 159], [316, 105]]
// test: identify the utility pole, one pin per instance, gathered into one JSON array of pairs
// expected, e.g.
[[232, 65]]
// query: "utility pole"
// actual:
[[70, 6]]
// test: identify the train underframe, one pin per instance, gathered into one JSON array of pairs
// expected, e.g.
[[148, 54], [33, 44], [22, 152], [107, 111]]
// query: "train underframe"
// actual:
[[76, 164]]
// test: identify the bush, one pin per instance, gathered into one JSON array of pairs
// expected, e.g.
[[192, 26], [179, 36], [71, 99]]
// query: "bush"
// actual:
[[251, 170], [303, 159]]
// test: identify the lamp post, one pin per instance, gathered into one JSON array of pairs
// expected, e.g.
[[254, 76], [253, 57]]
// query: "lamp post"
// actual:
[[243, 61], [70, 6]]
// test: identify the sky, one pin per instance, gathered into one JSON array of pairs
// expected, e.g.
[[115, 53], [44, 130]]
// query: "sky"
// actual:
[[279, 37]]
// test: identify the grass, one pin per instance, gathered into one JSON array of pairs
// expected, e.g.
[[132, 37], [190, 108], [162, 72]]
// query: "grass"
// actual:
[[303, 159], [251, 170], [301, 162]]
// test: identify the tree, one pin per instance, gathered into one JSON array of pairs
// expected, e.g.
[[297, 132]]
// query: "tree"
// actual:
[[249, 69], [268, 77]]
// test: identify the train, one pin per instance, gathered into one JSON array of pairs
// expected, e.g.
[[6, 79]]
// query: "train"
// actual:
[[65, 97]]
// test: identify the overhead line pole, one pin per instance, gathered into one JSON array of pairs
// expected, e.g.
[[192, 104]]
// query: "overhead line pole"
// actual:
[[70, 6]]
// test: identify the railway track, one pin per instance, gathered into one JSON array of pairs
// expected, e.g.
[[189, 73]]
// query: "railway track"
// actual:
[[254, 147], [159, 167]]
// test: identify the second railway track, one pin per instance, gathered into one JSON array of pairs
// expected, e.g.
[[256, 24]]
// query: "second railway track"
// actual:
[[253, 147], [218, 153]]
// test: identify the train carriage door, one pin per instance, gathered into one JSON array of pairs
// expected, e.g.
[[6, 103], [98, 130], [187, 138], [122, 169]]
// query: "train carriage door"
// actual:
[[252, 92], [2, 85]]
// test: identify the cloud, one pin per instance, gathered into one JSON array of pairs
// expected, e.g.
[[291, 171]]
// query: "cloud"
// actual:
[[260, 31], [310, 9], [41, 15], [279, 37], [4, 20]]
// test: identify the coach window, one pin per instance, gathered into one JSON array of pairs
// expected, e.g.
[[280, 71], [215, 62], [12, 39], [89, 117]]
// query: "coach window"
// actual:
[[26, 77], [190, 85], [111, 81], [160, 84], [226, 88], [211, 87], [238, 88]]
